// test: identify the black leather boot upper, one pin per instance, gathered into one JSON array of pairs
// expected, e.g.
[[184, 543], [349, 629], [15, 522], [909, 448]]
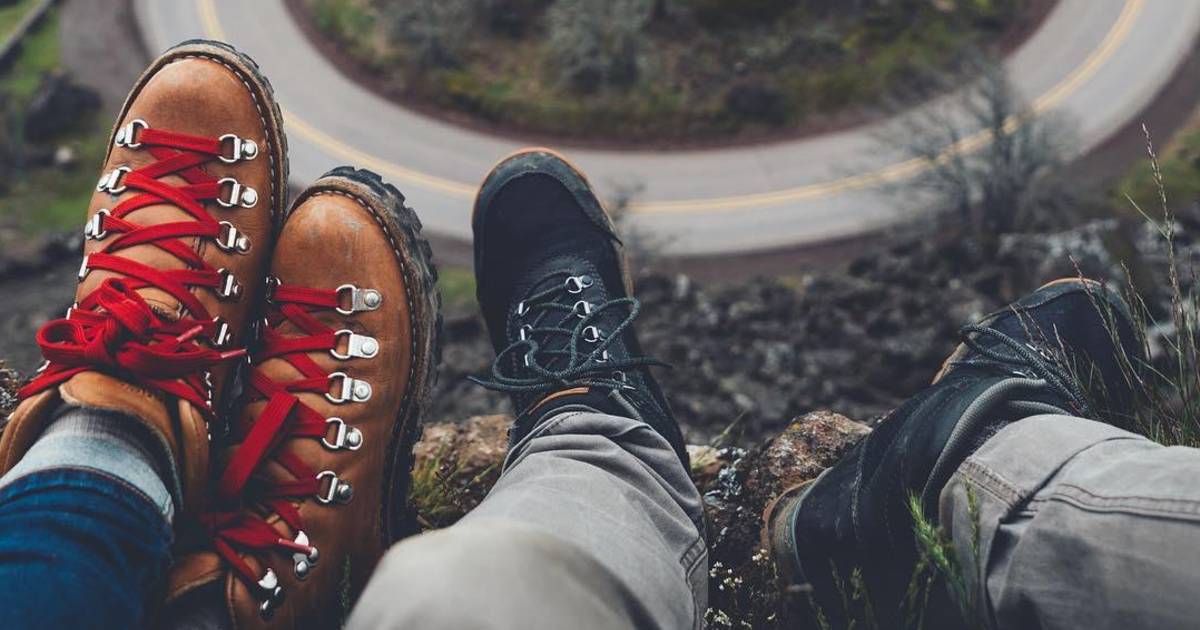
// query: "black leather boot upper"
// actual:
[[553, 289], [1031, 358]]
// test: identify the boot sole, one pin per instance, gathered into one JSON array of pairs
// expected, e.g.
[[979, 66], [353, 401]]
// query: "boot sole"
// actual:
[[415, 257]]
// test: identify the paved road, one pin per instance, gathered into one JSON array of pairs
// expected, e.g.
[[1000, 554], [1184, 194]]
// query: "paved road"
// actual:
[[1101, 61]]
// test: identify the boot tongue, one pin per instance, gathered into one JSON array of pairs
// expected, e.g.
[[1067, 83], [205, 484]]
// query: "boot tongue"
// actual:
[[589, 293], [93, 389]]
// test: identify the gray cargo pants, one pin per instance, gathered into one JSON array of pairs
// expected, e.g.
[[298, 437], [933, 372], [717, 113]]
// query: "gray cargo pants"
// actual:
[[594, 523], [1068, 523]]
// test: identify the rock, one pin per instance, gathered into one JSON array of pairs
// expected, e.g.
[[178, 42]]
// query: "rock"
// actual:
[[809, 445], [707, 463], [457, 464], [64, 157], [57, 105], [10, 381], [742, 584], [1083, 249]]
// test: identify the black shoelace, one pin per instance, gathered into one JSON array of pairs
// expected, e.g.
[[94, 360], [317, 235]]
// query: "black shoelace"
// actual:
[[1027, 357], [560, 343]]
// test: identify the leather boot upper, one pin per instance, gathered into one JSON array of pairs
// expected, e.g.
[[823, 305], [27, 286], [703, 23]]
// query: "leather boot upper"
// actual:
[[178, 235], [315, 476]]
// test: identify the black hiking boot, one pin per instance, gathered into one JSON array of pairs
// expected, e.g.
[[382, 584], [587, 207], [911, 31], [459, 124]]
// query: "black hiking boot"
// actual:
[[557, 299], [1034, 357]]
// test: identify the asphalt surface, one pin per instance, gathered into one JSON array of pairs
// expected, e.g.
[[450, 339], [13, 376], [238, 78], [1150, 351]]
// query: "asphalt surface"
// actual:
[[1099, 61]]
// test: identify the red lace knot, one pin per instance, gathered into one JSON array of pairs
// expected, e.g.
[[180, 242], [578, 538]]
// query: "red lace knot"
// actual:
[[113, 329], [125, 335]]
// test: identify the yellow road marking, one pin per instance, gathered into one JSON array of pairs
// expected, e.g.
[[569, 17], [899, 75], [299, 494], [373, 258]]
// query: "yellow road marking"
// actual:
[[893, 173]]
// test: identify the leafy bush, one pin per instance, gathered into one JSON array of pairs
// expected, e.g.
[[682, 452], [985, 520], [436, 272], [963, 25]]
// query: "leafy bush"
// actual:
[[597, 41], [434, 31], [655, 70], [514, 17], [716, 12], [347, 19]]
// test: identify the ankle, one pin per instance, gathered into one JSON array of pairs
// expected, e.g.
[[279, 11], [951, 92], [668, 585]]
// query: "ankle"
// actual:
[[623, 403], [108, 442]]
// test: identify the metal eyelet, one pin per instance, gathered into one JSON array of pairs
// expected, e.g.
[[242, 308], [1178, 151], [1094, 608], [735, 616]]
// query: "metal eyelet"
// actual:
[[228, 287], [344, 437], [524, 332], [127, 136], [112, 180], [359, 299], [231, 240], [258, 327], [576, 284], [357, 346], [339, 491], [350, 390], [603, 358], [592, 334], [521, 308], [304, 562], [209, 390], [624, 380], [94, 228], [271, 594], [239, 148], [582, 309], [270, 285], [239, 194], [83, 268], [222, 332]]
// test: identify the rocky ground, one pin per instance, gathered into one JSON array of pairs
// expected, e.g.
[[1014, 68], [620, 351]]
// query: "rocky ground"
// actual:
[[857, 339], [752, 360], [748, 357]]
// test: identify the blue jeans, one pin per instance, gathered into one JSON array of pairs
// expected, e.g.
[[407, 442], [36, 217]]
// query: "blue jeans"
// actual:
[[79, 549]]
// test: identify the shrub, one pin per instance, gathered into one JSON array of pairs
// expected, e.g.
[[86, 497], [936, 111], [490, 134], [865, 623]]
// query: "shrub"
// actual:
[[435, 31], [716, 12], [756, 100], [514, 17], [597, 41]]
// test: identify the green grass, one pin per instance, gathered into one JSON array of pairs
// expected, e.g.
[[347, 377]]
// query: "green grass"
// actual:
[[1166, 386], [42, 198], [794, 63], [346, 20], [1179, 163], [10, 15], [39, 54], [457, 285]]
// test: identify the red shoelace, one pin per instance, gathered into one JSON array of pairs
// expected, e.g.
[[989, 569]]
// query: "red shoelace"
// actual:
[[284, 417], [113, 329]]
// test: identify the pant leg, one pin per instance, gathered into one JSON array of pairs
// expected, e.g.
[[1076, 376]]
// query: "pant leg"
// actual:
[[78, 549], [1068, 523], [594, 523]]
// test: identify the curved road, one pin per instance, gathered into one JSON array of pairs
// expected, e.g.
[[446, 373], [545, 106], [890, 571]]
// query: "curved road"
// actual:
[[1101, 61]]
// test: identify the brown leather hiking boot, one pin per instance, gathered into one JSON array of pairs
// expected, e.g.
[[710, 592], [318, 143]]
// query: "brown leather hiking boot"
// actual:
[[313, 488], [178, 236]]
